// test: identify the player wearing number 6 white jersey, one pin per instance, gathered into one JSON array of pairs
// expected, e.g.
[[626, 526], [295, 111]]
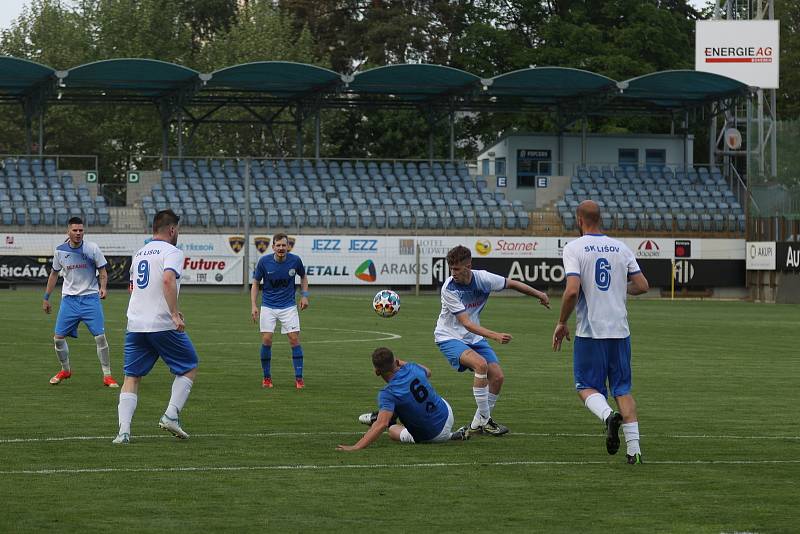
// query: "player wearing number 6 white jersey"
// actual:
[[601, 272], [156, 327]]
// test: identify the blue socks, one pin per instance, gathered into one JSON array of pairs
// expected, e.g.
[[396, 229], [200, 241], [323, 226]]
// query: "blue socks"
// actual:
[[266, 359], [297, 360]]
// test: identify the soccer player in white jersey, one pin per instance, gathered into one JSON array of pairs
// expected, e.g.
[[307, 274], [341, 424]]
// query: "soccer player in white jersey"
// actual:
[[83, 267], [460, 336], [156, 327], [601, 272]]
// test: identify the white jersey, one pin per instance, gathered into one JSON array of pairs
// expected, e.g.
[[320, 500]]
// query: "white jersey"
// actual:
[[469, 299], [603, 265], [147, 309], [79, 267]]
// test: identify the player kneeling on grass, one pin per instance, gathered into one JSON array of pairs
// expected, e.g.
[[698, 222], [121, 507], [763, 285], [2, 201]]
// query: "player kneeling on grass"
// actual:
[[426, 417]]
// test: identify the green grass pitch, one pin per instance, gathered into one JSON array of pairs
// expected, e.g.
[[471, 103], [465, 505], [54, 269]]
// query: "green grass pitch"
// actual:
[[716, 384]]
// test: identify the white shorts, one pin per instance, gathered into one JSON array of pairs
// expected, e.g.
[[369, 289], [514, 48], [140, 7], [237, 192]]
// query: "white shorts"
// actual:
[[444, 435], [289, 318]]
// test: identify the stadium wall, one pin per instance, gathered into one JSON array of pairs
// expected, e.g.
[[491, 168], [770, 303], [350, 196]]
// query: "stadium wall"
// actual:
[[540, 152], [396, 261]]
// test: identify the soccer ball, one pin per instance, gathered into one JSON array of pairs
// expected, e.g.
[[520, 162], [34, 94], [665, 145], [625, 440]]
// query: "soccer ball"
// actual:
[[386, 303]]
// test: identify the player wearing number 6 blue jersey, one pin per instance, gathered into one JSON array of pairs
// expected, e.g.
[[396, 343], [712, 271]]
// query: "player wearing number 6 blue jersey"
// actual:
[[426, 417], [156, 327], [601, 272]]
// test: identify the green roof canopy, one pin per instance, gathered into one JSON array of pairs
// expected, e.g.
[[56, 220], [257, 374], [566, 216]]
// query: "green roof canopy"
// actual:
[[281, 78], [278, 82], [413, 81], [141, 77], [20, 76], [549, 84], [679, 88]]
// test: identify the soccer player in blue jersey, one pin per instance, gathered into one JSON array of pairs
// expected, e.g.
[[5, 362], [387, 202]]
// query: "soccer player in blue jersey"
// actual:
[[277, 273], [426, 417], [156, 328], [460, 336], [83, 267], [601, 273]]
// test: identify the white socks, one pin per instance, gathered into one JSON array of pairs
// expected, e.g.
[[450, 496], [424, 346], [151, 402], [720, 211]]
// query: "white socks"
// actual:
[[598, 405], [482, 400], [102, 353], [181, 388], [125, 409], [492, 401], [62, 351], [631, 432]]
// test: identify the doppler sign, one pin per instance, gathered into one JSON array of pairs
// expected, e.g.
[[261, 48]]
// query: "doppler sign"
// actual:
[[743, 50]]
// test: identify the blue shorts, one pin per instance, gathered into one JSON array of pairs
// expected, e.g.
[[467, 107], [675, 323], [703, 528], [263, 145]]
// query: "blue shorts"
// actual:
[[454, 348], [142, 349], [77, 308], [597, 360]]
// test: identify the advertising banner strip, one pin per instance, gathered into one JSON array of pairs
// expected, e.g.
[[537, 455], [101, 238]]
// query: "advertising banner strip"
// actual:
[[788, 257], [761, 255]]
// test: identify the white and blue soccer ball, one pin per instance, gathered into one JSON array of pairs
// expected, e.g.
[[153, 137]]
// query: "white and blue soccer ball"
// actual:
[[386, 303]]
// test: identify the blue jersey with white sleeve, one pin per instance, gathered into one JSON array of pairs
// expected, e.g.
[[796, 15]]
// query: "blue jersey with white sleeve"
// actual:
[[278, 279], [412, 398]]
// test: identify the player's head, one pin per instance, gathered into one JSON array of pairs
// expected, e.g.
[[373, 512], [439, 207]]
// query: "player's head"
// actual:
[[587, 217], [280, 244], [459, 259], [383, 361], [165, 226], [75, 230]]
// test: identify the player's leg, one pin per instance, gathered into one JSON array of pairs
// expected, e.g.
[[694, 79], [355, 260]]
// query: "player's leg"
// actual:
[[290, 325], [495, 378], [590, 369], [177, 351], [93, 317], [139, 358], [480, 388], [267, 327], [619, 379], [401, 434], [66, 325]]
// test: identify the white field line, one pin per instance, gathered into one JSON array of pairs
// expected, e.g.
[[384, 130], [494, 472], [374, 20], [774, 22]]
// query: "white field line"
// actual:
[[351, 433], [385, 336], [321, 467]]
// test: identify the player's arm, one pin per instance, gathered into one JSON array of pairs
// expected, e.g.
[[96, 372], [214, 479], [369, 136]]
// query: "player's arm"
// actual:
[[171, 296], [477, 329], [525, 289], [637, 284], [102, 279], [254, 309], [374, 432], [51, 285], [568, 302], [304, 292]]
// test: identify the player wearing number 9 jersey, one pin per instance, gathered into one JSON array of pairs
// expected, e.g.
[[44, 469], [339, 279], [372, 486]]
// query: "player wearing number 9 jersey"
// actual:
[[426, 417], [601, 272], [156, 327]]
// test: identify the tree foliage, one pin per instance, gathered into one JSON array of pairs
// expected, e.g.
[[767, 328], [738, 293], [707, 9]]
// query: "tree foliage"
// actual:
[[617, 38]]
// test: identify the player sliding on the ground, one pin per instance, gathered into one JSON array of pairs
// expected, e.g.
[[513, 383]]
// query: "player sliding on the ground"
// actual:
[[460, 335], [601, 272], [83, 267], [156, 327], [426, 417]]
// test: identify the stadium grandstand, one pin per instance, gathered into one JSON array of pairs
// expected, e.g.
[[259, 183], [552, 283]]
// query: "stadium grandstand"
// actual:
[[372, 196]]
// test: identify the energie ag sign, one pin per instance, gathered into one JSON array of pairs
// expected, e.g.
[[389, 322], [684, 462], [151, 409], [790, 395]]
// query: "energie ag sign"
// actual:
[[743, 50]]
